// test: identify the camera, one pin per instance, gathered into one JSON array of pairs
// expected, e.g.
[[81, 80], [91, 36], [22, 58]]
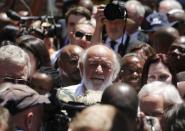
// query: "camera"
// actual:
[[114, 11], [58, 113], [151, 123], [53, 30]]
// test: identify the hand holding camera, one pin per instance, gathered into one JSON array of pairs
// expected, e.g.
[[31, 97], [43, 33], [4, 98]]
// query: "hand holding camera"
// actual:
[[111, 11], [149, 123], [99, 16]]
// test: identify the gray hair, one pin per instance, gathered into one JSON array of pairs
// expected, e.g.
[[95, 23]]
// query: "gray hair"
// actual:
[[173, 4], [139, 8], [116, 63], [167, 91], [16, 56]]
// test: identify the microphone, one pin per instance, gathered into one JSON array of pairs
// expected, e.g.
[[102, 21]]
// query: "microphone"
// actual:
[[13, 15]]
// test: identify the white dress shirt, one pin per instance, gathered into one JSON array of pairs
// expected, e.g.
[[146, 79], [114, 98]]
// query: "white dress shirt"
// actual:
[[119, 41]]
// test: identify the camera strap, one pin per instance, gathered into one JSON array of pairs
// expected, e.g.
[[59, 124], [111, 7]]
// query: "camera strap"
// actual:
[[123, 46]]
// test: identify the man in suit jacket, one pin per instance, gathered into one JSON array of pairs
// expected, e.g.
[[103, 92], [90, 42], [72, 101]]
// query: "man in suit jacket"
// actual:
[[115, 26]]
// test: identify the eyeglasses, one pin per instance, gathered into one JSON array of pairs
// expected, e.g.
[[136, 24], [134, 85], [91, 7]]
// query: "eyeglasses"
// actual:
[[15, 80], [82, 34]]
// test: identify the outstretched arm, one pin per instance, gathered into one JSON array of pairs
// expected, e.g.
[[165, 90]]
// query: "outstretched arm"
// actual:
[[99, 16]]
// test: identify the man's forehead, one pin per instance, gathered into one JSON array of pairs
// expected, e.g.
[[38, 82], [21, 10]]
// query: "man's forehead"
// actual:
[[73, 50], [100, 56], [76, 17], [100, 50], [86, 28], [153, 99], [152, 105], [99, 59], [132, 59]]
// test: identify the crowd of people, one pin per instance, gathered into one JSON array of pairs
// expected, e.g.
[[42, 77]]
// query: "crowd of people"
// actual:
[[117, 66]]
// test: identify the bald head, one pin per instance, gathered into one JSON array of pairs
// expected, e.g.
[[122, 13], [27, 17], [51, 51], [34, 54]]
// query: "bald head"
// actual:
[[100, 50], [70, 50], [122, 96], [100, 118], [180, 41], [88, 4]]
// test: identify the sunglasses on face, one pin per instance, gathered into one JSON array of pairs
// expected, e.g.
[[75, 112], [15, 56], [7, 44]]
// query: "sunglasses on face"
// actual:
[[15, 80], [81, 35]]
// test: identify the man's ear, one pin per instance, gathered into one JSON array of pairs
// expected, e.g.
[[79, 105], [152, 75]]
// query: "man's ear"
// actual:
[[114, 76], [59, 63], [29, 120], [81, 68], [72, 37]]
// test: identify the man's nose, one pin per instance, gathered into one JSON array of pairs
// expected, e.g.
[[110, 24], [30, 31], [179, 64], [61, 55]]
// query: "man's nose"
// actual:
[[84, 38], [176, 51], [99, 69], [135, 74]]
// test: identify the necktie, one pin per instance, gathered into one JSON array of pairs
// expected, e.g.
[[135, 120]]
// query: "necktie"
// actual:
[[112, 44]]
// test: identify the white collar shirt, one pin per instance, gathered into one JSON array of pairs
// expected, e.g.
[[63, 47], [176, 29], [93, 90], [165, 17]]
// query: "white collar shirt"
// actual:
[[119, 41]]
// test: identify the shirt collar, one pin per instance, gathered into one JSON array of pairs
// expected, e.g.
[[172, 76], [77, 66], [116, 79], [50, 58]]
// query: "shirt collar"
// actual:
[[118, 41], [80, 91]]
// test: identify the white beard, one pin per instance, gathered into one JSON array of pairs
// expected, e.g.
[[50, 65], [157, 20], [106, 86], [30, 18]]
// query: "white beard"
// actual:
[[89, 84]]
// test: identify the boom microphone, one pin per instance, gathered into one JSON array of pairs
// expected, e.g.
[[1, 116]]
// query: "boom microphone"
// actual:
[[13, 15]]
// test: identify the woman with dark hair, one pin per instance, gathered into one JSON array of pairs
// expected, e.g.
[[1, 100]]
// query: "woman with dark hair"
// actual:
[[37, 51], [158, 68]]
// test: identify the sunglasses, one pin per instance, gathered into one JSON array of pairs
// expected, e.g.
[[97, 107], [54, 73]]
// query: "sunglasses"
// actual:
[[15, 80], [81, 35]]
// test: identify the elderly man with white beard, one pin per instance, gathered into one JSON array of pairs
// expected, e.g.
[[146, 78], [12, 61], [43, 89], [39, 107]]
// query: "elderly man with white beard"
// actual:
[[98, 66]]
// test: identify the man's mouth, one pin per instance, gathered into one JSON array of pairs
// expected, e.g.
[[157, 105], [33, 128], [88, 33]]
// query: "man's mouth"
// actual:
[[76, 72], [175, 56], [134, 79], [98, 78]]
